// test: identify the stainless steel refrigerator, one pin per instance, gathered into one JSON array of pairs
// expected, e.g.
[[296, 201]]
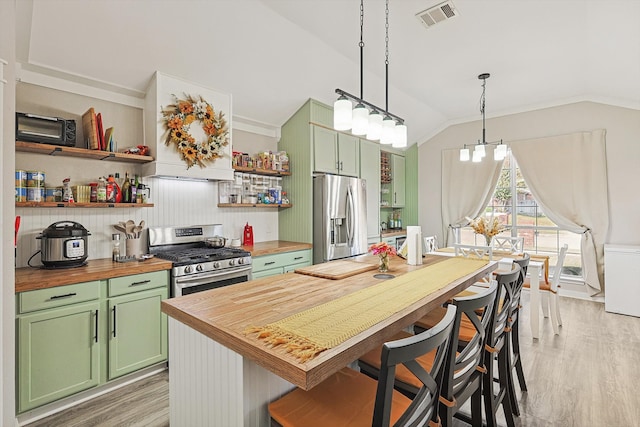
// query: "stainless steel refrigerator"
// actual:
[[339, 217]]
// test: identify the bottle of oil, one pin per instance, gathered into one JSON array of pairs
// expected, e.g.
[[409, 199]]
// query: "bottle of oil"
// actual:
[[126, 189]]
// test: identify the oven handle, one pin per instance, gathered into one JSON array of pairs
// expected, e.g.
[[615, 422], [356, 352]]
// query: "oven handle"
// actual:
[[203, 277]]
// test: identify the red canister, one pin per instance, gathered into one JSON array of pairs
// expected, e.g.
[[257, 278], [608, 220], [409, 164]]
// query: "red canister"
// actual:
[[247, 235]]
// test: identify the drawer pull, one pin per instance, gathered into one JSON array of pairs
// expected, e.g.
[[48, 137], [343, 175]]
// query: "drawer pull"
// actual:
[[143, 282], [297, 258], [72, 294], [269, 263]]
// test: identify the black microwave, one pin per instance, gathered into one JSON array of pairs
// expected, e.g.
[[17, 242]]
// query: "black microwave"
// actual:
[[45, 130]]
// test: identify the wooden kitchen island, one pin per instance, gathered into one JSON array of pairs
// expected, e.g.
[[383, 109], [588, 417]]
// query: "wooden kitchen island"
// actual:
[[222, 376]]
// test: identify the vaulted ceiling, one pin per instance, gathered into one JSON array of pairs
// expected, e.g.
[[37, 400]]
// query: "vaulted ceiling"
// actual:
[[272, 55]]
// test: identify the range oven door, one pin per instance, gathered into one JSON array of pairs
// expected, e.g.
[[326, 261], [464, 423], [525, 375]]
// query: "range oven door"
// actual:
[[186, 285]]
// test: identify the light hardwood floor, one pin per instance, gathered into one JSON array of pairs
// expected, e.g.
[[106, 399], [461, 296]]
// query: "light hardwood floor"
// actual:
[[586, 376]]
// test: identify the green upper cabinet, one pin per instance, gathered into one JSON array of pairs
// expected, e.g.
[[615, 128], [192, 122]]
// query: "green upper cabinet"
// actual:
[[370, 171], [398, 180], [58, 353], [335, 152]]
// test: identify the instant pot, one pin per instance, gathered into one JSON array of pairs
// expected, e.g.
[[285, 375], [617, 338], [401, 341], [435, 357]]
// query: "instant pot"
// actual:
[[63, 245]]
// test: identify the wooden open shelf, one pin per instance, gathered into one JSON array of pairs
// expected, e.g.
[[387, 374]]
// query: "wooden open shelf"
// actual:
[[261, 171], [58, 150], [252, 205], [81, 205]]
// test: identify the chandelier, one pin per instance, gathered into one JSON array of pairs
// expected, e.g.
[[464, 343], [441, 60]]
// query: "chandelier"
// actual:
[[479, 151], [365, 118]]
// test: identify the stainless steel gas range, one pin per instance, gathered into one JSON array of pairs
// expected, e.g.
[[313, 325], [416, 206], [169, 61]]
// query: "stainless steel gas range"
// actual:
[[196, 266]]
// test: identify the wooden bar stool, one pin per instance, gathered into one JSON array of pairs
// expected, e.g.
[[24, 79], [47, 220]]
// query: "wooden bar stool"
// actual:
[[465, 360], [352, 398]]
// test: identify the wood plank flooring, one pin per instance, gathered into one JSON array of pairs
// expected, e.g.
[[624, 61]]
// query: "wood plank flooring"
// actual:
[[587, 375]]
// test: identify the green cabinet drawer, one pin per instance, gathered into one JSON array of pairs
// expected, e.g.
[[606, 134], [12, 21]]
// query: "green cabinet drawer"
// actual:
[[268, 262], [58, 296], [290, 268], [267, 273], [138, 282]]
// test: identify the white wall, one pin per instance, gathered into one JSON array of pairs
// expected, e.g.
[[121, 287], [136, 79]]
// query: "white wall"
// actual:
[[623, 157], [176, 202]]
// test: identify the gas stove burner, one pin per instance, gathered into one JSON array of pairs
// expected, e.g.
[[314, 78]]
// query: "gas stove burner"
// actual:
[[199, 255]]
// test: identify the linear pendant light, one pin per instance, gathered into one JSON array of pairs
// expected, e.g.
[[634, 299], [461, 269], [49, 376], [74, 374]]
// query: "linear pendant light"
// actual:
[[379, 124], [479, 150]]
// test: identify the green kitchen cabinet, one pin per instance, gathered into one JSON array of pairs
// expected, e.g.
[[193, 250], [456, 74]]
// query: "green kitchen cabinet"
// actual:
[[58, 351], [335, 152], [370, 171], [137, 331], [270, 265], [74, 337], [398, 181]]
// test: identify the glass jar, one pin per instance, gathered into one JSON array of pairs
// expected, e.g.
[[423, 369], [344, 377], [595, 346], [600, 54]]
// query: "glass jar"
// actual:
[[101, 192]]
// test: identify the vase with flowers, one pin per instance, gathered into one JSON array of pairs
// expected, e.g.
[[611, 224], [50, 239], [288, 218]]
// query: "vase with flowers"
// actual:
[[384, 251], [488, 227]]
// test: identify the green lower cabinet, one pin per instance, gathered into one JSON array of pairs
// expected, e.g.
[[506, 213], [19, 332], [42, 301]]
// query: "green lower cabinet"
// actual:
[[270, 265], [137, 332], [58, 353]]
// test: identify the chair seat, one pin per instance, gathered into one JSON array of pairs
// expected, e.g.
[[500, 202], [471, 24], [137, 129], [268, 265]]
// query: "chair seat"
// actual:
[[344, 399], [543, 286], [467, 330]]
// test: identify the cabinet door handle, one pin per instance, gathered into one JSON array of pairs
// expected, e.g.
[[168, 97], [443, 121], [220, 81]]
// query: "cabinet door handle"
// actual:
[[96, 335], [114, 320], [297, 258], [269, 263], [144, 282], [341, 166], [72, 294], [338, 165], [395, 197]]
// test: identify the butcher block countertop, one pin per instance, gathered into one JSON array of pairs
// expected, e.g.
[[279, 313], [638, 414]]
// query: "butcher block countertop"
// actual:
[[225, 314], [29, 279], [275, 247]]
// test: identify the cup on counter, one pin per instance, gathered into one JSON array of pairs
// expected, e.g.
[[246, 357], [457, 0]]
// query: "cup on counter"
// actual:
[[235, 242]]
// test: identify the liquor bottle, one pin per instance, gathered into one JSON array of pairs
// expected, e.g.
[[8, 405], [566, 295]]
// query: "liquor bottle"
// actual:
[[116, 182], [134, 190], [126, 189]]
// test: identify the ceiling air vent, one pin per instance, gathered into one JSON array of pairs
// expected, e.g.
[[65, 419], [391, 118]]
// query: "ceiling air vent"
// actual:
[[438, 13]]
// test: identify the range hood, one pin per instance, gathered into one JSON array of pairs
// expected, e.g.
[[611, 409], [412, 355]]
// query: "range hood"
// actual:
[[168, 162]]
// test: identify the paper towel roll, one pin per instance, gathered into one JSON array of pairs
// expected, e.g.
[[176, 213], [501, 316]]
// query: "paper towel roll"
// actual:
[[414, 245]]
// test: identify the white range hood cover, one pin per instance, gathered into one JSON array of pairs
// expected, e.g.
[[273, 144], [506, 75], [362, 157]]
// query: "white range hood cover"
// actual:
[[168, 162]]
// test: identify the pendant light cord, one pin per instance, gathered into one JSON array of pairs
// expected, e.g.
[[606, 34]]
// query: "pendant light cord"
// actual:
[[482, 99], [361, 44], [386, 57]]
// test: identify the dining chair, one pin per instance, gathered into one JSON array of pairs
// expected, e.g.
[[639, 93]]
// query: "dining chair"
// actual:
[[430, 244], [464, 360], [352, 398], [513, 338], [548, 291], [474, 251], [513, 245]]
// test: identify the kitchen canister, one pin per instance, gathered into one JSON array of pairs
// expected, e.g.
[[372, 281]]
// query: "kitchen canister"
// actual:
[[21, 194], [35, 179], [35, 194], [21, 178]]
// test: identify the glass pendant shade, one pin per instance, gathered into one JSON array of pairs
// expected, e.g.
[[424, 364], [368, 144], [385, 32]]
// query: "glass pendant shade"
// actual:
[[477, 157], [400, 139], [360, 123], [388, 131], [480, 150], [500, 152], [375, 126], [464, 155], [342, 114]]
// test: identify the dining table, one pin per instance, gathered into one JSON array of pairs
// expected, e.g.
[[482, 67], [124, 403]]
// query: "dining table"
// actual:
[[234, 349]]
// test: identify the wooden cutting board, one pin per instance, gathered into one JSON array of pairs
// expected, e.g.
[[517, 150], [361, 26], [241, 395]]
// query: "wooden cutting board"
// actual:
[[336, 270]]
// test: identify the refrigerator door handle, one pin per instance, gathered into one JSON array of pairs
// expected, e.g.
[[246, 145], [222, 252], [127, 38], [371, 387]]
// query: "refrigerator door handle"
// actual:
[[350, 217]]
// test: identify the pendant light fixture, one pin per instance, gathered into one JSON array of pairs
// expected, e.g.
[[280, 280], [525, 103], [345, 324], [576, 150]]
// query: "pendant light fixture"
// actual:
[[379, 124], [479, 151]]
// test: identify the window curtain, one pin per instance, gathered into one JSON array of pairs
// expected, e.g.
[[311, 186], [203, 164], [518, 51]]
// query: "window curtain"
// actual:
[[567, 175], [467, 188]]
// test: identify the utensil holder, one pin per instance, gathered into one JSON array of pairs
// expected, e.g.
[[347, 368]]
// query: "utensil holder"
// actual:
[[134, 247]]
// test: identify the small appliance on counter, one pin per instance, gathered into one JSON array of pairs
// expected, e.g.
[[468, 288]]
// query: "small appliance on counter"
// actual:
[[247, 235], [63, 245]]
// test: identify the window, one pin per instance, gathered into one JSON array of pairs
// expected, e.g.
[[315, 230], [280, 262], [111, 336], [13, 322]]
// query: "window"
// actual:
[[524, 218]]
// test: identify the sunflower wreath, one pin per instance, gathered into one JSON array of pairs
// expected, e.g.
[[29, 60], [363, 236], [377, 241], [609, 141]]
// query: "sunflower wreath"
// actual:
[[178, 118]]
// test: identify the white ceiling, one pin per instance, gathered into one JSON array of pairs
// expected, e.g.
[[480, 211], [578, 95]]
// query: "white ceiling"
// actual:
[[272, 55]]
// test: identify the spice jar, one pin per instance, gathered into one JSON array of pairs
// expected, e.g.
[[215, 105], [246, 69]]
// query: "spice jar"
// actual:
[[102, 190], [93, 195]]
